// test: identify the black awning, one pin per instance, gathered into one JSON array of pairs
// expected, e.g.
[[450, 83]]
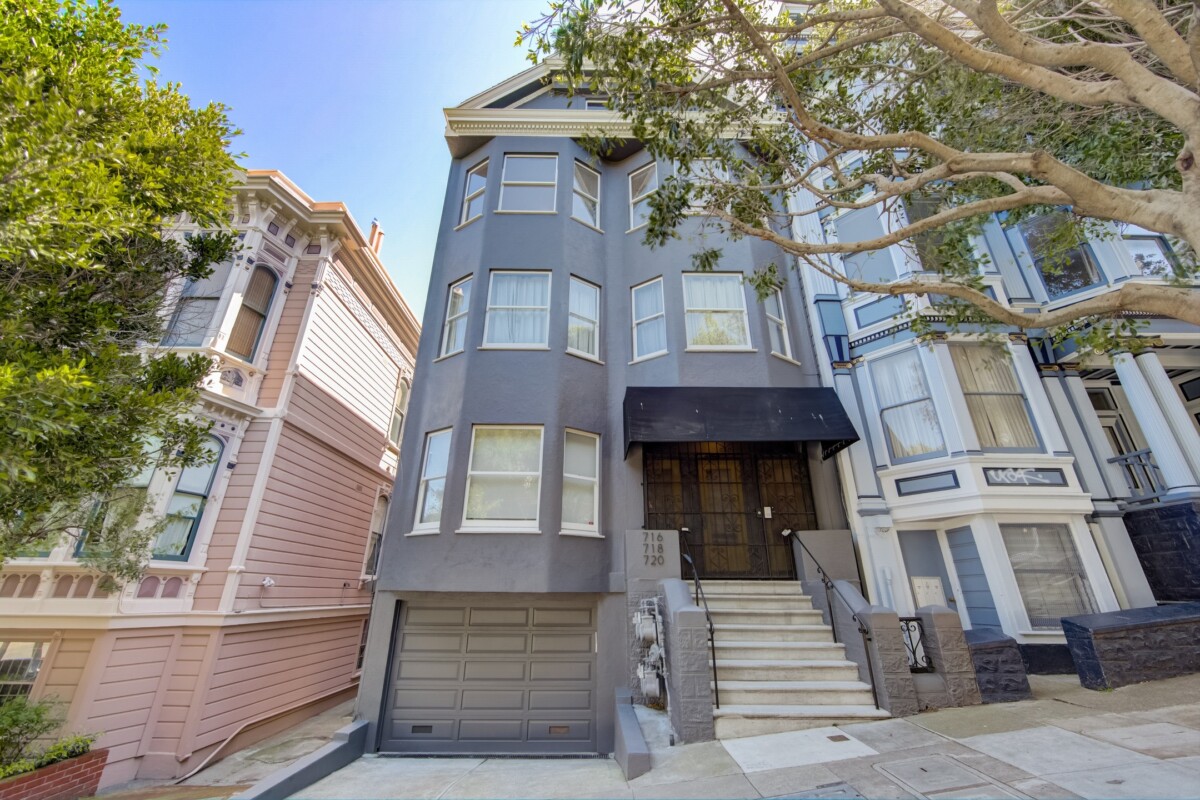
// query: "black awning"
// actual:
[[722, 414]]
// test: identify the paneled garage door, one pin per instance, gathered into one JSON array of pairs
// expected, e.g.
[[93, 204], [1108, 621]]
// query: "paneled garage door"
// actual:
[[494, 677]]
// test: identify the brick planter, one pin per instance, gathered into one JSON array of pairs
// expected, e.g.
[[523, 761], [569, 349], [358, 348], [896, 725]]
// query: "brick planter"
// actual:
[[67, 780]]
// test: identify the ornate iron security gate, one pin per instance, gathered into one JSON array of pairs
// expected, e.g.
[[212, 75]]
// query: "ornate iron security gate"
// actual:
[[733, 498]]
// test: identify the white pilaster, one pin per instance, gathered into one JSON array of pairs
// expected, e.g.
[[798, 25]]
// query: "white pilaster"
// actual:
[[944, 382], [1171, 405], [1176, 473], [1035, 393]]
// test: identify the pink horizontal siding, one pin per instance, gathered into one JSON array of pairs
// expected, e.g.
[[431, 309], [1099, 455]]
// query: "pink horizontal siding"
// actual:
[[286, 334], [124, 699]]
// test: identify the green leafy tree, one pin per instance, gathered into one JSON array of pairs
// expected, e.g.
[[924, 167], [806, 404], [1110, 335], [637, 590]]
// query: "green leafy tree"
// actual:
[[97, 162], [957, 110]]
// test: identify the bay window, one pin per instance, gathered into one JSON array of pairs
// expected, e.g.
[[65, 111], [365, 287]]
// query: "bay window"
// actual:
[[476, 184], [585, 199], [1065, 261], [1049, 573], [715, 311], [432, 488], [529, 183], [581, 480], [375, 535], [20, 663], [649, 320], [642, 183], [777, 324], [186, 507], [504, 477], [252, 316], [399, 409], [458, 302], [518, 311], [910, 421], [994, 398], [583, 319], [195, 307]]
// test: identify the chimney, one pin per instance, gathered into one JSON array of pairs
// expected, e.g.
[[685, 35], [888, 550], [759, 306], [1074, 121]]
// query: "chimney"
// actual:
[[375, 238]]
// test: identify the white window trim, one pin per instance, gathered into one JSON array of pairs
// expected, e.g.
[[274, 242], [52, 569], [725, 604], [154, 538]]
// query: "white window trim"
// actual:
[[387, 499], [748, 347], [596, 322], [503, 526], [1022, 391], [469, 196], [782, 322], [633, 201], [487, 315], [575, 190], [423, 482], [928, 397], [595, 104], [636, 321], [505, 182], [448, 319], [1020, 611], [569, 529]]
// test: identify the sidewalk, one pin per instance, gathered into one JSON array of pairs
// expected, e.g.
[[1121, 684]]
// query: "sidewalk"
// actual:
[[1138, 741]]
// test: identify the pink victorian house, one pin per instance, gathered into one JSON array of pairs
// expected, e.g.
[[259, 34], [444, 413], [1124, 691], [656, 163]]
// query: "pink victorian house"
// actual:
[[253, 611]]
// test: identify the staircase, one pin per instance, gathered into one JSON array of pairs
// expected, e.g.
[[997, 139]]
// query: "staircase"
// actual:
[[778, 667]]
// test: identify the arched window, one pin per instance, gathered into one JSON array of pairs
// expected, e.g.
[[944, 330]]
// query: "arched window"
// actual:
[[187, 506], [398, 411], [252, 316]]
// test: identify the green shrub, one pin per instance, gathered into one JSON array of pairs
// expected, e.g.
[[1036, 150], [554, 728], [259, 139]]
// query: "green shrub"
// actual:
[[16, 768], [22, 722]]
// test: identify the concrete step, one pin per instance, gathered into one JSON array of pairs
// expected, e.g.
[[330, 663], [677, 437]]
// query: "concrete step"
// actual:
[[766, 616], [740, 632], [750, 669], [785, 651], [712, 588], [809, 693], [791, 602], [735, 721]]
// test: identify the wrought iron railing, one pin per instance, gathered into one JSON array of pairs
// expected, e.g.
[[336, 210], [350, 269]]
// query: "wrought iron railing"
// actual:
[[1145, 480], [712, 640], [831, 589], [914, 644]]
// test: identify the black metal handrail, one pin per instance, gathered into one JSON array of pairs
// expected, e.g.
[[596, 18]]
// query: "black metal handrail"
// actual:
[[863, 630], [913, 632], [712, 641]]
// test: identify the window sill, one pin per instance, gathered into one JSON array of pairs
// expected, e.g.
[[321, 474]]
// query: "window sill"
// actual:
[[587, 224], [582, 534], [496, 529], [585, 357], [637, 227], [788, 359], [424, 532], [462, 225], [650, 357], [448, 355], [542, 213], [720, 350], [513, 347]]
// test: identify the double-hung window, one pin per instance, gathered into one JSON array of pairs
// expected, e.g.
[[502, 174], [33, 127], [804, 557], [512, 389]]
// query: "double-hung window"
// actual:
[[581, 481], [781, 343], [186, 507], [642, 183], [715, 311], [475, 186], [1152, 255], [583, 319], [994, 398], [252, 316], [1065, 262], [375, 538], [432, 487], [910, 421], [649, 320], [195, 308], [1049, 573], [454, 334], [518, 312], [504, 477], [399, 409], [529, 184], [704, 174], [585, 199], [20, 663]]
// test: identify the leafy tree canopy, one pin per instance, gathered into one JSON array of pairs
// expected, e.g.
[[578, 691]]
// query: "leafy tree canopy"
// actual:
[[958, 110], [96, 162]]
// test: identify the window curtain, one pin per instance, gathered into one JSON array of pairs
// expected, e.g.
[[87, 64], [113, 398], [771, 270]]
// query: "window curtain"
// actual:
[[504, 477], [518, 310], [909, 416], [716, 310], [584, 312], [994, 398], [456, 317], [651, 334], [1049, 573], [247, 328]]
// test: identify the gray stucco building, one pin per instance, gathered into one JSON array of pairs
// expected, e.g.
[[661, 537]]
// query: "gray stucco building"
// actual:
[[563, 397]]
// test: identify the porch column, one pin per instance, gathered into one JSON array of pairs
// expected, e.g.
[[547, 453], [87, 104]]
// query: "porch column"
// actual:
[[1172, 409], [1176, 473]]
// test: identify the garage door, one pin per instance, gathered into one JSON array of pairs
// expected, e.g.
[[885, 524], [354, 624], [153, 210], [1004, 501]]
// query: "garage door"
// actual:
[[494, 677]]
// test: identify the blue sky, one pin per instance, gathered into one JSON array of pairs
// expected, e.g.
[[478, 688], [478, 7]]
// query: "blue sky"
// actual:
[[346, 96]]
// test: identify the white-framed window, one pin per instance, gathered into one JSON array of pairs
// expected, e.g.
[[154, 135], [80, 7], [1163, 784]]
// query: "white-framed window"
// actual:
[[518, 310], [585, 198], [649, 320], [994, 398], [399, 409], [195, 307], [596, 104], [473, 189], [715, 311], [20, 663], [458, 302], [1151, 254], [704, 172], [581, 482], [1049, 574], [529, 183], [1066, 262], [186, 507], [432, 488], [375, 535], [504, 477], [252, 315], [910, 421], [643, 182], [583, 319], [781, 343]]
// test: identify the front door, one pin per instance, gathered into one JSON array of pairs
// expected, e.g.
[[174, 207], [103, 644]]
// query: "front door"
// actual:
[[731, 500]]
